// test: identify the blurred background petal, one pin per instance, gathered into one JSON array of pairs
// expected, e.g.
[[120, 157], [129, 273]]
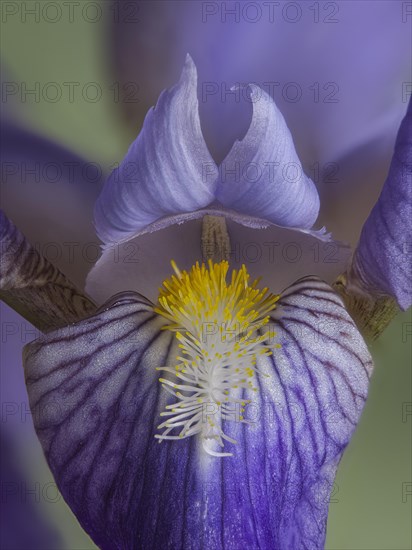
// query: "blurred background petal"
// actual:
[[276, 44], [22, 524], [34, 512], [49, 194]]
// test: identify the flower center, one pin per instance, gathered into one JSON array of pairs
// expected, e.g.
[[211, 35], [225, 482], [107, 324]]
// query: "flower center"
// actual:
[[216, 323]]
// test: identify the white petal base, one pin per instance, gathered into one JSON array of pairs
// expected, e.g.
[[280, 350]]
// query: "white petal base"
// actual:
[[276, 254]]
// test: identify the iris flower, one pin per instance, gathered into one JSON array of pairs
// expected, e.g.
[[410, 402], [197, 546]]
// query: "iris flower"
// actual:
[[211, 413]]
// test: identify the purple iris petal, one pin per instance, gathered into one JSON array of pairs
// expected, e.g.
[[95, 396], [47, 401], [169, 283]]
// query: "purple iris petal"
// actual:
[[318, 60], [383, 257], [49, 193], [34, 287], [96, 385], [167, 170], [22, 524], [262, 174]]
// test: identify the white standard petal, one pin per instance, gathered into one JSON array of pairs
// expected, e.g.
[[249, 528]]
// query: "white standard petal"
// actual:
[[262, 175], [167, 170]]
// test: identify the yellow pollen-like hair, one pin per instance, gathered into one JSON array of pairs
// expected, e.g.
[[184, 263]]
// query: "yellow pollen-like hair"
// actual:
[[216, 323]]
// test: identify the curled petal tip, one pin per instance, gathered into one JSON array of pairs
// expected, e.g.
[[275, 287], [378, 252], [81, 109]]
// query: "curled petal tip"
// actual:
[[189, 72], [189, 62], [168, 169], [262, 175]]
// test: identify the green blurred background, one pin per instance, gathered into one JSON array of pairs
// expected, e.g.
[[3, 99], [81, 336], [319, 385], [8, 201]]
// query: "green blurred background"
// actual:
[[371, 508]]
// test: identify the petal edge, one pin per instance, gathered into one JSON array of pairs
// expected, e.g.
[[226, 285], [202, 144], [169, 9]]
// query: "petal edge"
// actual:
[[167, 170]]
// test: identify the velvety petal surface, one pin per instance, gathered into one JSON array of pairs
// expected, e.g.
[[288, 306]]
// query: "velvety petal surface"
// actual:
[[382, 259], [167, 170], [96, 385], [262, 175]]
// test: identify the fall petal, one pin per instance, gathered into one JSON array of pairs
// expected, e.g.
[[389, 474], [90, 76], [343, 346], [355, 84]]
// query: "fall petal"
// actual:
[[96, 385]]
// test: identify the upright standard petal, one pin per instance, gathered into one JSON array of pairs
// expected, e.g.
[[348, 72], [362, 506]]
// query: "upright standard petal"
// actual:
[[318, 60], [96, 385], [262, 175], [382, 260], [167, 170]]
